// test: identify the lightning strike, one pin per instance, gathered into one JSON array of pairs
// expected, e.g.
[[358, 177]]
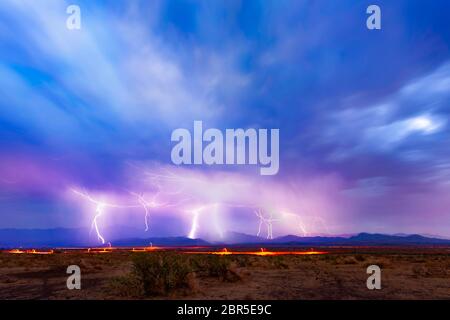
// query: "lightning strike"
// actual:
[[177, 188], [148, 204], [194, 226], [267, 221], [100, 206]]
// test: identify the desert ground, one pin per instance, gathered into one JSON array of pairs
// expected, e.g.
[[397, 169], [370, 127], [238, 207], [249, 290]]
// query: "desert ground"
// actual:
[[407, 273]]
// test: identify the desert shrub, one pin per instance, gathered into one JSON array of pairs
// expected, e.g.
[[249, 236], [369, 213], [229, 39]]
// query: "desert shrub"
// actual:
[[327, 257], [221, 267], [349, 260], [199, 262], [242, 261], [218, 266], [127, 286], [161, 272], [279, 262], [344, 259]]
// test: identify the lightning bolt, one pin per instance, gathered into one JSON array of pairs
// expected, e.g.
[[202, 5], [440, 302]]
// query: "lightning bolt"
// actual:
[[267, 221], [299, 222], [99, 210], [153, 203], [194, 225], [100, 206], [196, 213], [173, 186]]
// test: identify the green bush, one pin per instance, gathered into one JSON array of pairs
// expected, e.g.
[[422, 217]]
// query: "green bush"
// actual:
[[279, 262], [161, 272], [218, 266], [127, 286], [242, 261]]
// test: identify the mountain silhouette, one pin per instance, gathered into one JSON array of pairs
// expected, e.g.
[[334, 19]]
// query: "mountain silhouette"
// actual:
[[81, 237]]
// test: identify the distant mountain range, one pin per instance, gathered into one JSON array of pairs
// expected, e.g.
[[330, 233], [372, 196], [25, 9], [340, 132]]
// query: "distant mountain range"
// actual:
[[66, 237], [364, 239], [63, 237]]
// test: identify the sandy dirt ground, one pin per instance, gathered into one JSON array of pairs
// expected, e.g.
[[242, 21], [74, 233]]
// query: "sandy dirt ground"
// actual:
[[340, 274]]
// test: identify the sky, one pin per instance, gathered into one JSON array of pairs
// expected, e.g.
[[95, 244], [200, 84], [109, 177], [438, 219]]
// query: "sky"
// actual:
[[86, 115]]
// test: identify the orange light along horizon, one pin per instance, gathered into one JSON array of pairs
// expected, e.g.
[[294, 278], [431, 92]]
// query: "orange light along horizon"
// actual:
[[32, 251], [224, 251], [262, 252]]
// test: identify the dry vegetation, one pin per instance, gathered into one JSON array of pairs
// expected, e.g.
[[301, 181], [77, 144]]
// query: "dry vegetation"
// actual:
[[162, 275]]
